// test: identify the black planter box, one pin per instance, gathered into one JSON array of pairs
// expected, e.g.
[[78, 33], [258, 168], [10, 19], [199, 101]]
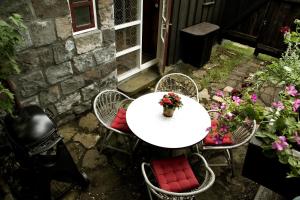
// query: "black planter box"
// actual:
[[269, 172]]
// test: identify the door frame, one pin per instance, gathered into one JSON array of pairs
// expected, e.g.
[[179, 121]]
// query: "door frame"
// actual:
[[159, 53]]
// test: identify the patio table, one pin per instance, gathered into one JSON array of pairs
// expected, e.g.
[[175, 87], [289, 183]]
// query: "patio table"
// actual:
[[187, 127]]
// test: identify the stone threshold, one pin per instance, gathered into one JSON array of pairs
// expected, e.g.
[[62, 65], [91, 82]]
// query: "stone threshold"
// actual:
[[140, 82]]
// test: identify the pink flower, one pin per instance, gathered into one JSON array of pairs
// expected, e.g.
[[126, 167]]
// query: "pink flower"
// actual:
[[229, 116], [223, 106], [219, 93], [291, 90], [224, 129], [280, 144], [214, 106], [278, 105], [236, 100], [297, 138], [254, 98], [296, 105]]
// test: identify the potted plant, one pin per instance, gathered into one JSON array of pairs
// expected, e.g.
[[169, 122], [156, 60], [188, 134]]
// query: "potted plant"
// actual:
[[273, 157], [170, 102]]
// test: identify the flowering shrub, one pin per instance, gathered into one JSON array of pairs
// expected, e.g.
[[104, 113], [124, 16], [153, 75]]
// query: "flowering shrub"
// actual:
[[236, 109], [171, 100], [281, 130]]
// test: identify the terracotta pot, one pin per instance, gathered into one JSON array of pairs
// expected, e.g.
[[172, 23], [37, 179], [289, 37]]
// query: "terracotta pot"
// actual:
[[168, 112]]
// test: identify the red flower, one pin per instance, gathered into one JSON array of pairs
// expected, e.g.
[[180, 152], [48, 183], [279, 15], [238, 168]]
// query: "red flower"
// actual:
[[285, 29], [167, 101]]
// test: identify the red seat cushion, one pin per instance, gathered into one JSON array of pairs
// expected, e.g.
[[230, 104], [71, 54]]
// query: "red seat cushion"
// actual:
[[120, 122], [174, 174]]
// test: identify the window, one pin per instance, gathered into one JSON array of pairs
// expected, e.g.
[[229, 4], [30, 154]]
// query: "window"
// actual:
[[83, 14]]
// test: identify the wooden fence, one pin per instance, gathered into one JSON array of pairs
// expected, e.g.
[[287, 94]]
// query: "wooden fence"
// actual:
[[252, 22]]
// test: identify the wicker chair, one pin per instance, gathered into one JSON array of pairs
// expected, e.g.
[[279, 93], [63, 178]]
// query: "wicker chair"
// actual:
[[240, 136], [106, 105], [179, 83], [198, 162]]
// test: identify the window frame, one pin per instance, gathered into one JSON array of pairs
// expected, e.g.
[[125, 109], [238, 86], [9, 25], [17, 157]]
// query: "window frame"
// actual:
[[83, 28]]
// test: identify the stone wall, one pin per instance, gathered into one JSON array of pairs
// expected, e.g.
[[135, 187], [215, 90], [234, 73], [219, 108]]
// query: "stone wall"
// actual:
[[60, 71]]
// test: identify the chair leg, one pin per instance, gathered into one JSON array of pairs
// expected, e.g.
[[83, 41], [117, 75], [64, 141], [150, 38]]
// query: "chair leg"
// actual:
[[149, 192], [230, 160], [103, 142]]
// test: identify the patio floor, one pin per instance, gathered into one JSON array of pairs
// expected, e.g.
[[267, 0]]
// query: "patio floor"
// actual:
[[115, 176]]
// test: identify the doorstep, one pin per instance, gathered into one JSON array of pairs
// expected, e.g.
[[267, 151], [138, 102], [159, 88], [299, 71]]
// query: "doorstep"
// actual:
[[139, 82]]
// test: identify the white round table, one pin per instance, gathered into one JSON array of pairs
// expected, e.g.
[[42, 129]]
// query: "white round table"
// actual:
[[187, 127]]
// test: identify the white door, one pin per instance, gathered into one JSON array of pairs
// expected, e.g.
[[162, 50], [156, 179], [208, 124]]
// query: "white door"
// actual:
[[138, 35]]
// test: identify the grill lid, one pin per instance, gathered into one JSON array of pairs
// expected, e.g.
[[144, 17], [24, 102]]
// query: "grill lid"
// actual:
[[33, 129]]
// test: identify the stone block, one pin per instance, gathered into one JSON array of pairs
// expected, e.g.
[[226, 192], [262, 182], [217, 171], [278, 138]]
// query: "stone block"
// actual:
[[108, 36], [109, 82], [8, 7], [76, 150], [107, 17], [64, 51], [51, 95], [42, 32], [105, 3], [50, 8], [59, 73], [105, 54], [204, 95], [63, 27], [107, 68], [89, 92], [83, 107], [84, 62], [27, 42], [67, 131], [36, 58], [88, 41], [34, 100], [66, 104], [31, 84], [71, 85]]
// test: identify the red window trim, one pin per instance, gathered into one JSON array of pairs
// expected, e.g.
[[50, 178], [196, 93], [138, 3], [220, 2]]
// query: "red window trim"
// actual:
[[83, 3]]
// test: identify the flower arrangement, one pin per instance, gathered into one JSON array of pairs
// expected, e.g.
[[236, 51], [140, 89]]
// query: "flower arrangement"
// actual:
[[171, 100], [238, 108]]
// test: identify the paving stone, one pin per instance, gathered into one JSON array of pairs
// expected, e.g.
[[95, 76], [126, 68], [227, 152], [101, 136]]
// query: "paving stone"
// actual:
[[89, 122], [236, 77], [68, 131], [224, 57], [88, 41], [72, 195], [42, 32], [199, 73], [231, 83], [203, 95], [63, 27], [87, 140], [267, 99], [59, 73], [76, 150], [93, 159], [217, 99], [228, 89]]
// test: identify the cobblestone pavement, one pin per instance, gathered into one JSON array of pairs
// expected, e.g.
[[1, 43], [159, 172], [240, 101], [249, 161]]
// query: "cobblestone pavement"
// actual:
[[115, 176]]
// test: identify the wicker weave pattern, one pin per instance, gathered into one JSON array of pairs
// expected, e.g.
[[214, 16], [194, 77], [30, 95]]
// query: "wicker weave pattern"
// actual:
[[207, 182], [106, 105], [179, 83]]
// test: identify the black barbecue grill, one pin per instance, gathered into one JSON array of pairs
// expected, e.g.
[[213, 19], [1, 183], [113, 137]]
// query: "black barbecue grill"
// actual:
[[41, 153]]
